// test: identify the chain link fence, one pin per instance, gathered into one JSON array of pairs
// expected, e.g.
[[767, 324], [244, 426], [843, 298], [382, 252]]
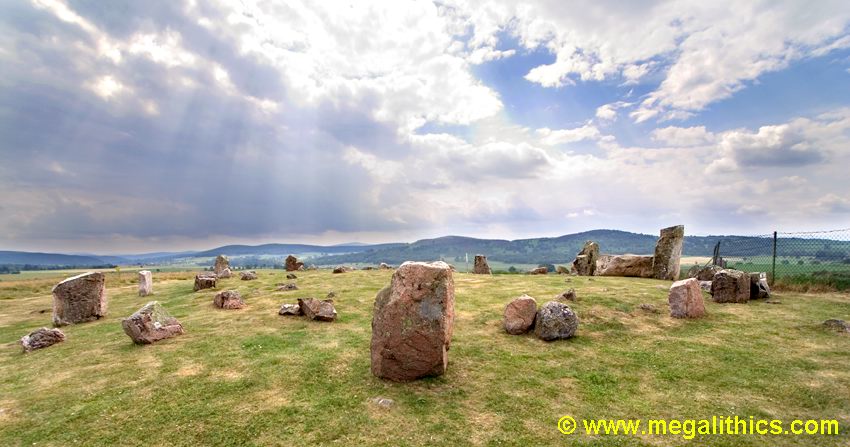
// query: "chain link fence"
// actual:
[[815, 260]]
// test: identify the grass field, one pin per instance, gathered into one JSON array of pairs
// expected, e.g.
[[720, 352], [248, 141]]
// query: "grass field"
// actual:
[[250, 377]]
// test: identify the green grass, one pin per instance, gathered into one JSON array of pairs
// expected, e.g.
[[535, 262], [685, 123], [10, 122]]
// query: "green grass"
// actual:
[[251, 377]]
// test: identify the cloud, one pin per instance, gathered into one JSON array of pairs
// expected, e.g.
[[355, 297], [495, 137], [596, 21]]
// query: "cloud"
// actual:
[[551, 137], [702, 53], [683, 136]]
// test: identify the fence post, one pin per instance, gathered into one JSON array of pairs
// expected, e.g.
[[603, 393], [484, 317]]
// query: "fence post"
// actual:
[[773, 276]]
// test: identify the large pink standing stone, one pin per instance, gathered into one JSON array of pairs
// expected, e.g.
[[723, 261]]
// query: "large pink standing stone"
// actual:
[[79, 299], [686, 299], [412, 322]]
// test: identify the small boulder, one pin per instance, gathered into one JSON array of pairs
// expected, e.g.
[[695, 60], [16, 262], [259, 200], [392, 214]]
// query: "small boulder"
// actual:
[[41, 338], [481, 267], [538, 271], [145, 283], [291, 276], [331, 295], [341, 269], [704, 273], [287, 287], [225, 273], [561, 270], [292, 264], [519, 315], [319, 310], [385, 266], [250, 275], [758, 286], [290, 309], [79, 299], [705, 285], [228, 299], [555, 321], [837, 325], [649, 308], [730, 286], [205, 281], [685, 299], [151, 323], [567, 295]]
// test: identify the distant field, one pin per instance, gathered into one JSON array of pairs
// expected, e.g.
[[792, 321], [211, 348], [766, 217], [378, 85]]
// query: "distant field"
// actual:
[[251, 377]]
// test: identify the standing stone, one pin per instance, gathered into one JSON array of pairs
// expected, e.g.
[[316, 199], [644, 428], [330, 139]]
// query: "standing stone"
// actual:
[[228, 299], [555, 321], [292, 264], [624, 265], [730, 286], [248, 276], [685, 299], [145, 283], [41, 338], [520, 314], [205, 281], [481, 267], [585, 262], [412, 322], [758, 286], [151, 323], [319, 310], [668, 253], [79, 299], [221, 263]]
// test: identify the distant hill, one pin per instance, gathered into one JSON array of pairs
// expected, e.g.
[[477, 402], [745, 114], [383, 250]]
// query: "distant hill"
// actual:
[[287, 249], [44, 259]]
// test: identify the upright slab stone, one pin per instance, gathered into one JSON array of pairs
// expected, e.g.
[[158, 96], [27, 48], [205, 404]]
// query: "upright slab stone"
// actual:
[[221, 263], [481, 267], [145, 283], [151, 323], [585, 262], [292, 264], [730, 286], [79, 299], [624, 265], [41, 338], [412, 322], [758, 286], [685, 299], [668, 253]]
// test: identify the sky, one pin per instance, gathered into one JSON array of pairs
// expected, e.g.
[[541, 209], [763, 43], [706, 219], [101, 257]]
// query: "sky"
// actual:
[[130, 126]]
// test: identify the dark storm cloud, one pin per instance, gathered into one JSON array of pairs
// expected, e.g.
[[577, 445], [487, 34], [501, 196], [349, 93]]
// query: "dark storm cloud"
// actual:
[[208, 162]]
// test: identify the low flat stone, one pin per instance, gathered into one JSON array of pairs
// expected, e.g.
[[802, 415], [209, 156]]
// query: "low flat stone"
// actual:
[[228, 299], [538, 271], [151, 323], [385, 266], [837, 325], [567, 295], [248, 276], [41, 338], [205, 281], [646, 307], [291, 276], [319, 310], [290, 309], [341, 269], [287, 287]]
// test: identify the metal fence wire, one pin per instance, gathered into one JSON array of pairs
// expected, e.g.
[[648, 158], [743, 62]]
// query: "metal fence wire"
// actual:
[[805, 258]]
